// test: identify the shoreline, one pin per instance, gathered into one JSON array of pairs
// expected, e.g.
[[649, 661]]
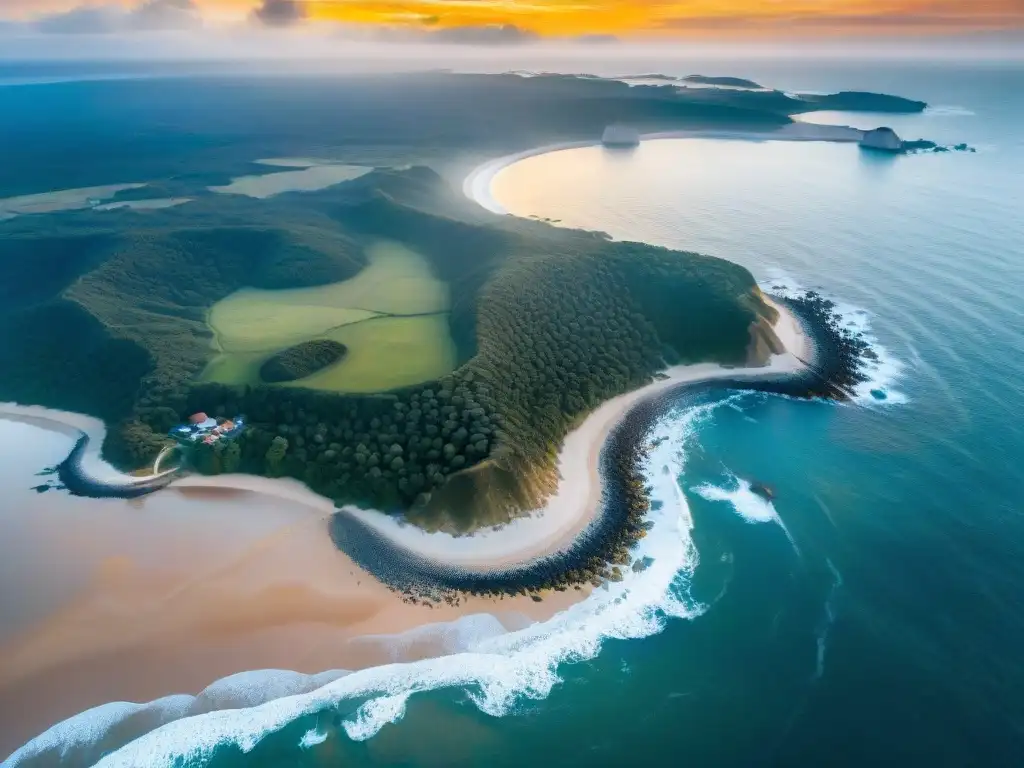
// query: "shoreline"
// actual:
[[547, 531], [84, 472], [595, 517], [577, 500], [477, 185], [286, 597], [296, 599]]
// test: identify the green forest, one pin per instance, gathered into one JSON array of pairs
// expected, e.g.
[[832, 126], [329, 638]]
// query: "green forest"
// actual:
[[548, 324], [109, 315]]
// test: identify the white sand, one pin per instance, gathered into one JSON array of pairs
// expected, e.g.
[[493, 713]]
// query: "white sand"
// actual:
[[478, 185], [74, 424]]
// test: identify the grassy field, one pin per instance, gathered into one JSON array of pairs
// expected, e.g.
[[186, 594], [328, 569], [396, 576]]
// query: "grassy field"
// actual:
[[392, 316], [388, 353]]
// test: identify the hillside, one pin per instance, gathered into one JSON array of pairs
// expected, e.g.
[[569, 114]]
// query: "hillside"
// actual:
[[529, 327]]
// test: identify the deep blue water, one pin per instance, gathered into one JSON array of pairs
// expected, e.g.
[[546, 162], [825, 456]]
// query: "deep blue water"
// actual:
[[882, 624], [875, 613]]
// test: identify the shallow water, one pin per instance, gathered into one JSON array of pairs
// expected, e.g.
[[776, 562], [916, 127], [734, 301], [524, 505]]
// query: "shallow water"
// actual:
[[871, 613], [306, 180]]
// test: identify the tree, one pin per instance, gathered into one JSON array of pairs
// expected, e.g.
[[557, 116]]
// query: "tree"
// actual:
[[275, 456], [231, 457]]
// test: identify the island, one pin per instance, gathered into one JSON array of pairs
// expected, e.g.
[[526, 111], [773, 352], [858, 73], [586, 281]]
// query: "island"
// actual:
[[861, 101], [727, 82], [302, 360], [883, 139], [620, 136]]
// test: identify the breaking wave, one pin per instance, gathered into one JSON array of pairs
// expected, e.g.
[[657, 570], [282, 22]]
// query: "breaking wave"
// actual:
[[497, 671], [883, 373]]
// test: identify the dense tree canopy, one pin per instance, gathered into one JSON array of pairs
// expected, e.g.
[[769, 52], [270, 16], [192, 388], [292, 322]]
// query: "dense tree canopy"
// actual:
[[548, 323]]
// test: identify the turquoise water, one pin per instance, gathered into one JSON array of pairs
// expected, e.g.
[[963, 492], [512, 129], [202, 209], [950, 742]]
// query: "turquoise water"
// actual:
[[874, 613]]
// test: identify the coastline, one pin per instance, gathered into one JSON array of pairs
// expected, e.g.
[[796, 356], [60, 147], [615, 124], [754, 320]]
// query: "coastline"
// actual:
[[291, 599], [89, 432], [478, 183], [286, 598], [547, 531], [577, 500]]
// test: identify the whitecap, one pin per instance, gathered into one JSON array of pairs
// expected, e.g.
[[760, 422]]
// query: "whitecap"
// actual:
[[497, 671], [375, 714], [312, 737], [750, 506], [883, 373]]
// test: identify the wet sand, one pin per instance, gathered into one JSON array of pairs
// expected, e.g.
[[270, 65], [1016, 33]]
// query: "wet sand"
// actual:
[[215, 576], [133, 600], [576, 502]]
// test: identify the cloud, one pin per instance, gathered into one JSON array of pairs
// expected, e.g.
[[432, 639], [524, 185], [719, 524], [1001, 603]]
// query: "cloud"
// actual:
[[165, 14], [491, 34], [150, 15], [952, 15], [280, 13], [596, 39]]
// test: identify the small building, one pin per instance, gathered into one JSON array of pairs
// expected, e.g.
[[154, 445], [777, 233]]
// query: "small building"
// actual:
[[884, 139], [204, 429], [620, 136]]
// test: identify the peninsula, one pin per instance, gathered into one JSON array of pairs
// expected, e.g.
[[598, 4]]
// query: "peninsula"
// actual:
[[392, 345]]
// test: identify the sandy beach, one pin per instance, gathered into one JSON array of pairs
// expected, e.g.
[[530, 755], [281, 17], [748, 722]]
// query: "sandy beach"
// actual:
[[215, 576], [576, 501], [133, 600], [74, 425], [478, 184]]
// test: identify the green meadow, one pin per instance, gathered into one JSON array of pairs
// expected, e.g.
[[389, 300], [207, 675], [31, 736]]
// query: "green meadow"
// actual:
[[392, 316]]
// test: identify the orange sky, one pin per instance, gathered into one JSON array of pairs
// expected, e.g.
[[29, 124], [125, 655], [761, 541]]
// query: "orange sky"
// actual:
[[690, 18]]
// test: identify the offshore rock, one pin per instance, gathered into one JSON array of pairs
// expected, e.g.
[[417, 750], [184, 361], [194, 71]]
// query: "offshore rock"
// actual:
[[883, 139], [620, 136]]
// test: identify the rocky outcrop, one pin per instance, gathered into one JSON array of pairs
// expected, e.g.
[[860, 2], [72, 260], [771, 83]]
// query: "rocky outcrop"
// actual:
[[620, 136], [883, 139]]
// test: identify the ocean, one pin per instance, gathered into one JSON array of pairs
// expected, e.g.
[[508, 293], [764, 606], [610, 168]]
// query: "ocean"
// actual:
[[873, 613]]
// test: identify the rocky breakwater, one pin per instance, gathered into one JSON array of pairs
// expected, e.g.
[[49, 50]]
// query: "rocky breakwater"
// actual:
[[602, 551], [839, 352]]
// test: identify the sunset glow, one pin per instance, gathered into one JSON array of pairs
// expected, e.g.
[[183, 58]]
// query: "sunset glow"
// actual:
[[681, 18]]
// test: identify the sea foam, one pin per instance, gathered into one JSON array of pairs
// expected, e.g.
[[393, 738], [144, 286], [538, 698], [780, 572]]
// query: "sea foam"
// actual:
[[498, 671], [748, 505], [883, 373]]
